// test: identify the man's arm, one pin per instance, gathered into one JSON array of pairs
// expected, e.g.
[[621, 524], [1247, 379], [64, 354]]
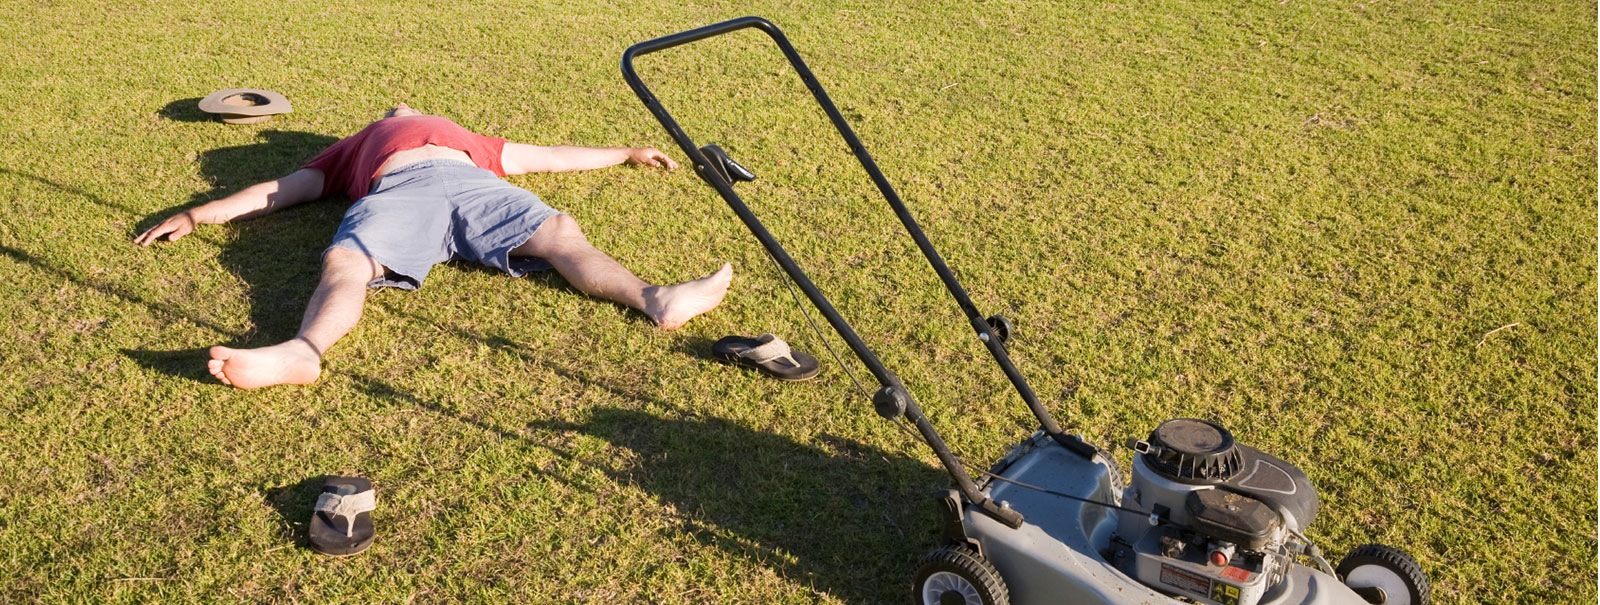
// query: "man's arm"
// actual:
[[258, 199], [518, 158]]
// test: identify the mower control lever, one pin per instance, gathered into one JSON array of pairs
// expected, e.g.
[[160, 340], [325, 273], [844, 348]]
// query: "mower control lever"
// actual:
[[729, 170]]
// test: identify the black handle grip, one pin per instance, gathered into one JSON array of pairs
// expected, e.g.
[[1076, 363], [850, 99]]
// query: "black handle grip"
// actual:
[[699, 33]]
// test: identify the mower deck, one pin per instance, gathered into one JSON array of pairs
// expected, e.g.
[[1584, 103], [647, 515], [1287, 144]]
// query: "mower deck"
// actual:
[[1055, 556]]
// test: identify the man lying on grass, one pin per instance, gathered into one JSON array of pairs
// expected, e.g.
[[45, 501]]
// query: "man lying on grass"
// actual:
[[427, 191]]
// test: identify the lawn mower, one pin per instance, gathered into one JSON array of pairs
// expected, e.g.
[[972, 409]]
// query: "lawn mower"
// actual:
[[1203, 519]]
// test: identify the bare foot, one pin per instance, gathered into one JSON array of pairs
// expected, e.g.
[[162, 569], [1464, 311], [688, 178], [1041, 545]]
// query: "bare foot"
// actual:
[[292, 362], [672, 306]]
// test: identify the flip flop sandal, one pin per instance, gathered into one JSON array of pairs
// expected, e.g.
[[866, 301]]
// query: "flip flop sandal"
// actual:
[[341, 522], [769, 354]]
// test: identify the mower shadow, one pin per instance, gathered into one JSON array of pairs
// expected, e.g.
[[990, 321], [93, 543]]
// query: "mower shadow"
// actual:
[[846, 518]]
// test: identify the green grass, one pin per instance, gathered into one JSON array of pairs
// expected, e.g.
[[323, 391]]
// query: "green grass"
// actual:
[[1305, 220]]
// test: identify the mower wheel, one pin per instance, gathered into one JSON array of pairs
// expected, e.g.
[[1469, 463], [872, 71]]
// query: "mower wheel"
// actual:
[[1118, 481], [1001, 327], [1385, 573], [954, 575]]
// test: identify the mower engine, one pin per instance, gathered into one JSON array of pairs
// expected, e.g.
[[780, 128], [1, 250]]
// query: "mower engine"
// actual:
[[1223, 516]]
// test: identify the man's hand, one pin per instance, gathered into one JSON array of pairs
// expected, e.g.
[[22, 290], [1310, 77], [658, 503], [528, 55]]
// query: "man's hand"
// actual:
[[174, 227], [650, 156]]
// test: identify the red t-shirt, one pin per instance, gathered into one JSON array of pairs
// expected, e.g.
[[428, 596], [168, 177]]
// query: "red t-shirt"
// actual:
[[351, 164]]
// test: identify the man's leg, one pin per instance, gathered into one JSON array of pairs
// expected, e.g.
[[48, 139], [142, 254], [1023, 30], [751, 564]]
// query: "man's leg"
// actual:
[[560, 241], [334, 309]]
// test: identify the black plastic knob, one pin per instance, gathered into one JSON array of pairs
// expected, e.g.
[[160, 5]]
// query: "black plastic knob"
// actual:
[[1191, 450]]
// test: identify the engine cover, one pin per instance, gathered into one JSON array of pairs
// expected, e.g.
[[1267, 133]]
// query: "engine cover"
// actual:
[[1279, 484], [1219, 514], [1192, 452], [1231, 517]]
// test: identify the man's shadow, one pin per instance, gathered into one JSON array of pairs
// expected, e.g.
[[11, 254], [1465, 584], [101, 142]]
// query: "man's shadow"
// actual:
[[847, 518], [278, 256]]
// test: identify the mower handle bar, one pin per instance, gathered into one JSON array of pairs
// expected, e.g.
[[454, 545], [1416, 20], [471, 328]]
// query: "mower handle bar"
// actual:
[[893, 393]]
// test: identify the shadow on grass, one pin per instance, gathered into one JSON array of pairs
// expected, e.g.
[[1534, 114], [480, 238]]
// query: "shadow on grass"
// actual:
[[185, 110], [275, 154], [70, 190], [186, 363], [843, 517], [293, 504], [277, 256], [183, 363], [846, 518], [157, 307], [698, 347]]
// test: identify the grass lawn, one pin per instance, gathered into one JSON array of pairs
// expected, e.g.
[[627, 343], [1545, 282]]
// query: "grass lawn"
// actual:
[[1360, 235]]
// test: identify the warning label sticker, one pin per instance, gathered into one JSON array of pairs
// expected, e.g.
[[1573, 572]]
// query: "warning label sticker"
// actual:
[[1236, 573], [1226, 594], [1186, 581]]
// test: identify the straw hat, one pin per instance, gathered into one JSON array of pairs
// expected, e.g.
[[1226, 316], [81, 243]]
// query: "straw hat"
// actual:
[[245, 105]]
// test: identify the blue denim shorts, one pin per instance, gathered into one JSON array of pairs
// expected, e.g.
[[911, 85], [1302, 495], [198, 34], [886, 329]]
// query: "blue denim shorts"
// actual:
[[437, 210]]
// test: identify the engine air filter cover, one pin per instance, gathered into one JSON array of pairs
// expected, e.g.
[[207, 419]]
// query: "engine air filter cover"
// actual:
[[1192, 451]]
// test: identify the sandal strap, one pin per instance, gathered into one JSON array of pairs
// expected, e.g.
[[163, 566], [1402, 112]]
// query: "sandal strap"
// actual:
[[773, 348], [347, 506]]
